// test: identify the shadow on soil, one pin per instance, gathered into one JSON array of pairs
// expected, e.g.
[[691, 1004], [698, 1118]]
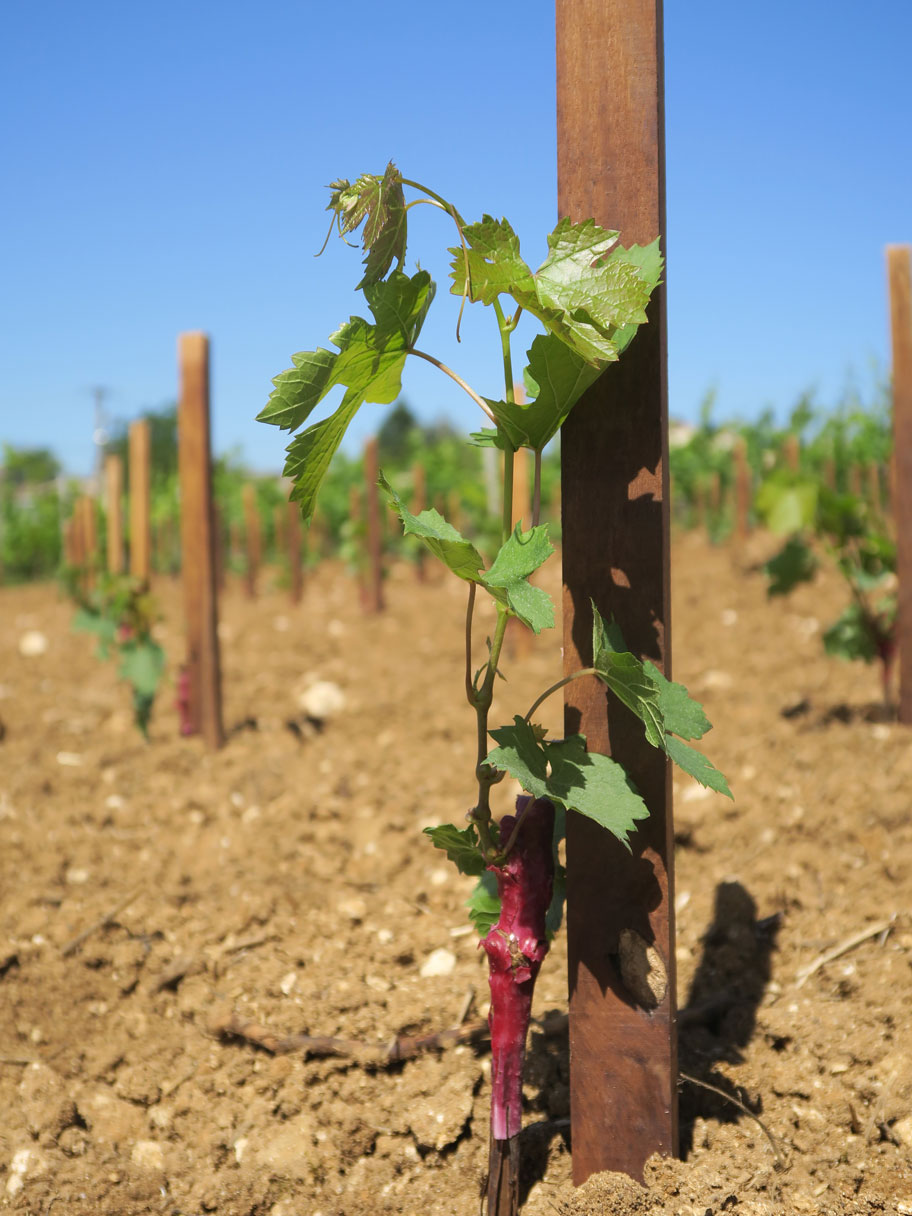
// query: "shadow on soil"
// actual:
[[718, 1020]]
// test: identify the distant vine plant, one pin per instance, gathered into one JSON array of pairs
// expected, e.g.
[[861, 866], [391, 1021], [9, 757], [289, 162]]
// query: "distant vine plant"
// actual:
[[589, 295], [119, 610]]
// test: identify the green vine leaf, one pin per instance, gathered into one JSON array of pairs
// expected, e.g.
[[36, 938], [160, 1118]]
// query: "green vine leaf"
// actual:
[[495, 265], [794, 563], [378, 203], [591, 784], [443, 540], [520, 556], [368, 364], [484, 904], [681, 714], [627, 678], [460, 845], [696, 765]]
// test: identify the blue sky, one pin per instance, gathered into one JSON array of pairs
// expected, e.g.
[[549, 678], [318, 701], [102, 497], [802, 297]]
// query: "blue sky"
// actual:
[[165, 169]]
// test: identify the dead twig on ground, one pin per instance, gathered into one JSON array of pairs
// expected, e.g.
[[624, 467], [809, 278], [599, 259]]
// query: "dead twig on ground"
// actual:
[[740, 1105], [103, 923], [829, 956]]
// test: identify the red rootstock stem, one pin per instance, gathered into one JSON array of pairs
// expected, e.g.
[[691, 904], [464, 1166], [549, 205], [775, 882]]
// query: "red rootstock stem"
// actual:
[[515, 947], [183, 702]]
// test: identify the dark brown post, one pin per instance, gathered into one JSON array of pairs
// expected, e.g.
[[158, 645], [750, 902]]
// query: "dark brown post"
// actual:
[[294, 539], [198, 541], [374, 543], [742, 490], [614, 458], [114, 504], [252, 538], [140, 455], [898, 263], [792, 451]]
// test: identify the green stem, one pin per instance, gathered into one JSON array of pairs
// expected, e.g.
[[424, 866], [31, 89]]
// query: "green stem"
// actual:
[[448, 371], [577, 675]]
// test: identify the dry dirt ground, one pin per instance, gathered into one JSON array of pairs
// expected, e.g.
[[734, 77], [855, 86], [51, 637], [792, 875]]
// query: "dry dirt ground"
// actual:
[[154, 896]]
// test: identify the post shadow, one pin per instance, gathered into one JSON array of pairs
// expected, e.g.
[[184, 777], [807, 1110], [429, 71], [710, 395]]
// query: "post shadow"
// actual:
[[719, 1019]]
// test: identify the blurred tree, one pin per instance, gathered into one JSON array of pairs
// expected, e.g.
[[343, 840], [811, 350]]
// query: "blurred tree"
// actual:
[[28, 466]]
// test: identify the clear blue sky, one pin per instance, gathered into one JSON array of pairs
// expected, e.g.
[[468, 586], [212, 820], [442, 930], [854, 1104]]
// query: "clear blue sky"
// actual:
[[164, 169]]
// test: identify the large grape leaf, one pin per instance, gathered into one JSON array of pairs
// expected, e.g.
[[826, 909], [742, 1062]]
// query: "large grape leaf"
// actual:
[[681, 714], [368, 364], [593, 785], [696, 765], [627, 678], [648, 262]]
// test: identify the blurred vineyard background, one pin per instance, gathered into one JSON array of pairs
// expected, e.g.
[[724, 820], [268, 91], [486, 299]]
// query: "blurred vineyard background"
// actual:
[[845, 446]]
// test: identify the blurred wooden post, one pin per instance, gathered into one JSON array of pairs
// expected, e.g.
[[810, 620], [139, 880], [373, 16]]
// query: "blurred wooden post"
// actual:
[[294, 537], [218, 545], [234, 541], [872, 472], [614, 460], [742, 490], [86, 539], [791, 449], [899, 258], [198, 562], [114, 504], [855, 480], [140, 456], [251, 538], [829, 473], [374, 601]]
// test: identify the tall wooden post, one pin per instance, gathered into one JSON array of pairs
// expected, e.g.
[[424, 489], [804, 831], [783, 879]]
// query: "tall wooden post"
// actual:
[[898, 263], [113, 469], [252, 538], [742, 490], [140, 457], [198, 566], [294, 535], [374, 601], [792, 451], [86, 534], [614, 460]]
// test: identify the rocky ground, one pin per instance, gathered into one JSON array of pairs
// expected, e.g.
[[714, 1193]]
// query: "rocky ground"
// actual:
[[171, 920]]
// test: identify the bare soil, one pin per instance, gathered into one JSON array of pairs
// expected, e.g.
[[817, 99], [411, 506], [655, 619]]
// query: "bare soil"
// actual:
[[154, 897]]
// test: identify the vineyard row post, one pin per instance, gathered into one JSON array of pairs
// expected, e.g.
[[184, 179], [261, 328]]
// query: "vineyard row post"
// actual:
[[198, 541], [114, 505], [140, 472], [899, 258], [614, 462]]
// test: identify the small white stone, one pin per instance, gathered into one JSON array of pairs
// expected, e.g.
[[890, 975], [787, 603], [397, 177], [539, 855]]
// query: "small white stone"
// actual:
[[76, 876], [355, 908], [438, 962], [239, 1146], [114, 802], [286, 987], [440, 877], [148, 1154], [880, 730], [32, 644], [281, 624], [69, 759], [336, 629], [716, 679], [695, 792], [322, 700], [729, 616], [384, 936]]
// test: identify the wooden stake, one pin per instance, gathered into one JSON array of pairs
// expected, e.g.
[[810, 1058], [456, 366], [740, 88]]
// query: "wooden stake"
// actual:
[[140, 457], [374, 541], [294, 534], [198, 562], [251, 538], [791, 449], [614, 458], [742, 491], [899, 258], [114, 504], [86, 538]]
